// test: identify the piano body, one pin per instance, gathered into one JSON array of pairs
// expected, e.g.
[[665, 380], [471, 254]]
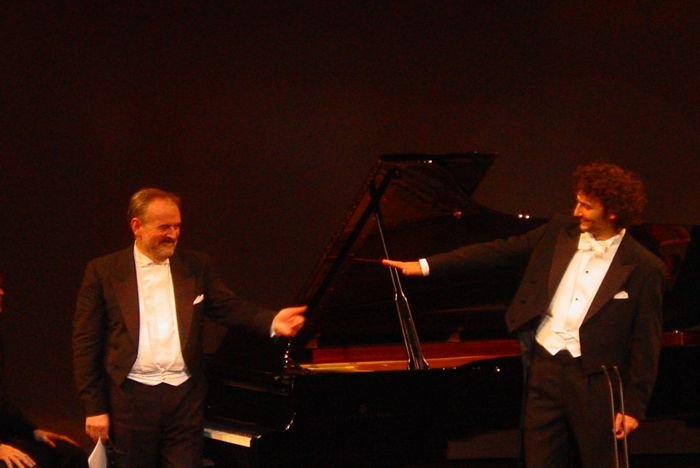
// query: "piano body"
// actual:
[[376, 380]]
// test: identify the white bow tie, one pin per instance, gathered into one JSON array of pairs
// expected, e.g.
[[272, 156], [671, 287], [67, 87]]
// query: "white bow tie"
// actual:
[[587, 242]]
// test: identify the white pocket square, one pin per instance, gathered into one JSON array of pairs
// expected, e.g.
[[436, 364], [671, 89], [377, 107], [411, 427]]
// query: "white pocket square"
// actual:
[[621, 295], [198, 299]]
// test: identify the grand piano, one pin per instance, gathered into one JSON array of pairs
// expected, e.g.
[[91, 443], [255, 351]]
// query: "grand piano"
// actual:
[[396, 371]]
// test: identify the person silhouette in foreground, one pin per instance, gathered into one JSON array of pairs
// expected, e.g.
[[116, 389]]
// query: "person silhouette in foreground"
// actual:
[[22, 444]]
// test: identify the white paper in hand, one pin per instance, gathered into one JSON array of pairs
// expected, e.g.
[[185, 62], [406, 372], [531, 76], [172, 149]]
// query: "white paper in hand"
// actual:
[[98, 457]]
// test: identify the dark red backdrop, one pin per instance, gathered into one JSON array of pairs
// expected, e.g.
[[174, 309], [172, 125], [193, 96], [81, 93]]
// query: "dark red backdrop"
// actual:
[[266, 117]]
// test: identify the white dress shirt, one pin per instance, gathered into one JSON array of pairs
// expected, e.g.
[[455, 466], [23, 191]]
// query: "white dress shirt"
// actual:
[[159, 358], [559, 329]]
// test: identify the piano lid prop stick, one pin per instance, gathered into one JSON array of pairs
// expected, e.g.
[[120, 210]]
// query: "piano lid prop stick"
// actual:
[[416, 360]]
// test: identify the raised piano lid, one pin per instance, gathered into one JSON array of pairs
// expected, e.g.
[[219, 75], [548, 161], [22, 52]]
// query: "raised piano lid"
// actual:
[[425, 204]]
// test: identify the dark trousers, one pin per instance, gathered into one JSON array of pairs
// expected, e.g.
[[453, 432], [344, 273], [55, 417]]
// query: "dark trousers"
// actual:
[[157, 426], [64, 455], [567, 414]]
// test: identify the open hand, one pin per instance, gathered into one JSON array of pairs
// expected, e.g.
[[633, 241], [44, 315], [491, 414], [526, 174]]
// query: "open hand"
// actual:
[[50, 438], [407, 268], [13, 457]]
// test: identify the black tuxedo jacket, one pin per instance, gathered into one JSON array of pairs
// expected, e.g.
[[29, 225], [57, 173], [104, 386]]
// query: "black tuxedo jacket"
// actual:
[[106, 322], [623, 325]]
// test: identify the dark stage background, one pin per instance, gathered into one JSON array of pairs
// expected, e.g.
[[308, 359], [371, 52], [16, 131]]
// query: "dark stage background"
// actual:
[[266, 116]]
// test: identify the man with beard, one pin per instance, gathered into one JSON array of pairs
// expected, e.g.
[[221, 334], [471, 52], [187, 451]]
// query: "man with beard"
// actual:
[[137, 338], [591, 296]]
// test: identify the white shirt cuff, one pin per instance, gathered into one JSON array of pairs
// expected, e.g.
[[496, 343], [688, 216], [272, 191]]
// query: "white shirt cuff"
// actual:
[[424, 267]]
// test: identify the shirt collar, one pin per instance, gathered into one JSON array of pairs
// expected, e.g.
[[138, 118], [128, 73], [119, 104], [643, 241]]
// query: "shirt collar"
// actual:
[[601, 247], [615, 240]]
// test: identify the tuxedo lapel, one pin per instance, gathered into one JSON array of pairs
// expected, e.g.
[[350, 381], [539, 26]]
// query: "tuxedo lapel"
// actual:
[[564, 250], [184, 286], [621, 267], [126, 292]]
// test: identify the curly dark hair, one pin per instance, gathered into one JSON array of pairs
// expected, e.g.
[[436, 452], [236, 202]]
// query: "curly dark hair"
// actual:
[[620, 191]]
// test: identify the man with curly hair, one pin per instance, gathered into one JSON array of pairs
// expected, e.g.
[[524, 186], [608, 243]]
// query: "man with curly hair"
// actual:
[[590, 299]]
